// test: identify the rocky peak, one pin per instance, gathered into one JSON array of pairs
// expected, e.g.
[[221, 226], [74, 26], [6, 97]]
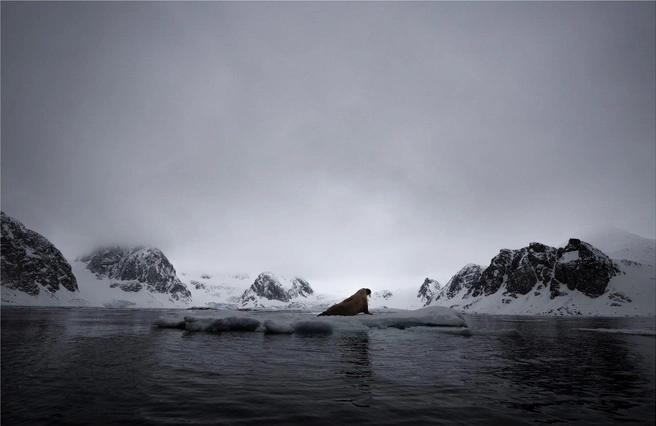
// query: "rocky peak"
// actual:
[[585, 268], [137, 267], [271, 287], [428, 290], [579, 266], [30, 262], [466, 278]]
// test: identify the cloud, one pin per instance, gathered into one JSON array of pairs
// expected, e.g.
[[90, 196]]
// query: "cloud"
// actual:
[[327, 139]]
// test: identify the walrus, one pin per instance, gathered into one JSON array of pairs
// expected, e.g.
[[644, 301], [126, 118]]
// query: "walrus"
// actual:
[[351, 306]]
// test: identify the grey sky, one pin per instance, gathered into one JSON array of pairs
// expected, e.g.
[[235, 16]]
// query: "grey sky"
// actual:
[[328, 140]]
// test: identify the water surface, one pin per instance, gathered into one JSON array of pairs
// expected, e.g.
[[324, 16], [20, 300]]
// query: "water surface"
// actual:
[[111, 366]]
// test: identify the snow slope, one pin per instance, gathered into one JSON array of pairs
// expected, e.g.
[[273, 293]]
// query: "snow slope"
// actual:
[[400, 298], [632, 292], [241, 291], [216, 290], [620, 244], [97, 291], [93, 292]]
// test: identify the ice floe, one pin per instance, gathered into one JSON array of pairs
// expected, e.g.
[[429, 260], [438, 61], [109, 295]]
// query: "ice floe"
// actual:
[[307, 323]]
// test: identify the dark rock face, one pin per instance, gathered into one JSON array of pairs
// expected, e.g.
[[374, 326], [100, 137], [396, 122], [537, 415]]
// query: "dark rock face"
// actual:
[[268, 286], [428, 290], [522, 269], [30, 262], [579, 266], [465, 278], [583, 267], [129, 286], [494, 275], [136, 268]]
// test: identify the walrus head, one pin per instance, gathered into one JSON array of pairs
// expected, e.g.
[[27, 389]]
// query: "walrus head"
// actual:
[[368, 292]]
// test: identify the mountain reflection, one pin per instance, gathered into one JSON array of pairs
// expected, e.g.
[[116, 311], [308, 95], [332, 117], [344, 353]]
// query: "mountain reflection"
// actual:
[[564, 365], [355, 355]]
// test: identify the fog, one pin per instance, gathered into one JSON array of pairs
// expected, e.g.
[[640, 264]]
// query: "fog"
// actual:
[[341, 142]]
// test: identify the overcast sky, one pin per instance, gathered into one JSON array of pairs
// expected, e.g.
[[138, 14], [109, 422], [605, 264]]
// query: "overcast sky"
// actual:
[[340, 142]]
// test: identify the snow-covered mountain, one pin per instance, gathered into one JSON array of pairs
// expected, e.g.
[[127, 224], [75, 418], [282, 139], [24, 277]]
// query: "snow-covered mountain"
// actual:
[[428, 291], [615, 275], [618, 244], [397, 298], [577, 279], [144, 272], [461, 282], [32, 267], [218, 291], [272, 291]]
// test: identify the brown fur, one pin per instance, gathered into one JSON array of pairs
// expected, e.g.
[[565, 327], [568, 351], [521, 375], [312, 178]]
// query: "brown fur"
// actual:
[[351, 306]]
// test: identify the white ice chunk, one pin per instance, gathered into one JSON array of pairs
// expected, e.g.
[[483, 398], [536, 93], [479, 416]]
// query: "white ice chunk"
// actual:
[[170, 323], [313, 327], [303, 322], [221, 324], [276, 328], [432, 316]]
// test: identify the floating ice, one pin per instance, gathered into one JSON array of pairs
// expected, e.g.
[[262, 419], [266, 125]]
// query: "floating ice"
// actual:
[[313, 327], [276, 328], [170, 323], [307, 323], [231, 323], [221, 324], [432, 316]]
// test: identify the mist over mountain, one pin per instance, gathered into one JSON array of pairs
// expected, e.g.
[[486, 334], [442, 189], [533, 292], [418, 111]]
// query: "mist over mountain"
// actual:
[[134, 269], [577, 278]]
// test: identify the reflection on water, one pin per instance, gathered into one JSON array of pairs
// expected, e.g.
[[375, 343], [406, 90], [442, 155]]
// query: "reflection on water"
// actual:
[[355, 365], [355, 356], [570, 375], [89, 366]]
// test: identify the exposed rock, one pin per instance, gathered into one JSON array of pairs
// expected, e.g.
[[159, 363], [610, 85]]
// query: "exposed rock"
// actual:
[[579, 266], [582, 267], [137, 268], [197, 285], [131, 286], [464, 279], [428, 290], [30, 262], [271, 287]]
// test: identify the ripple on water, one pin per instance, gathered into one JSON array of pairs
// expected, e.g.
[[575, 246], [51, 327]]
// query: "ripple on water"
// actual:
[[92, 366]]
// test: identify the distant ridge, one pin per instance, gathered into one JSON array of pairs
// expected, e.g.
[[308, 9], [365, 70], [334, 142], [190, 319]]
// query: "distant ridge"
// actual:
[[576, 279]]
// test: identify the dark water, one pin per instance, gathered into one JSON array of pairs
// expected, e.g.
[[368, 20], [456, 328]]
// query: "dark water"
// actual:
[[97, 366]]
